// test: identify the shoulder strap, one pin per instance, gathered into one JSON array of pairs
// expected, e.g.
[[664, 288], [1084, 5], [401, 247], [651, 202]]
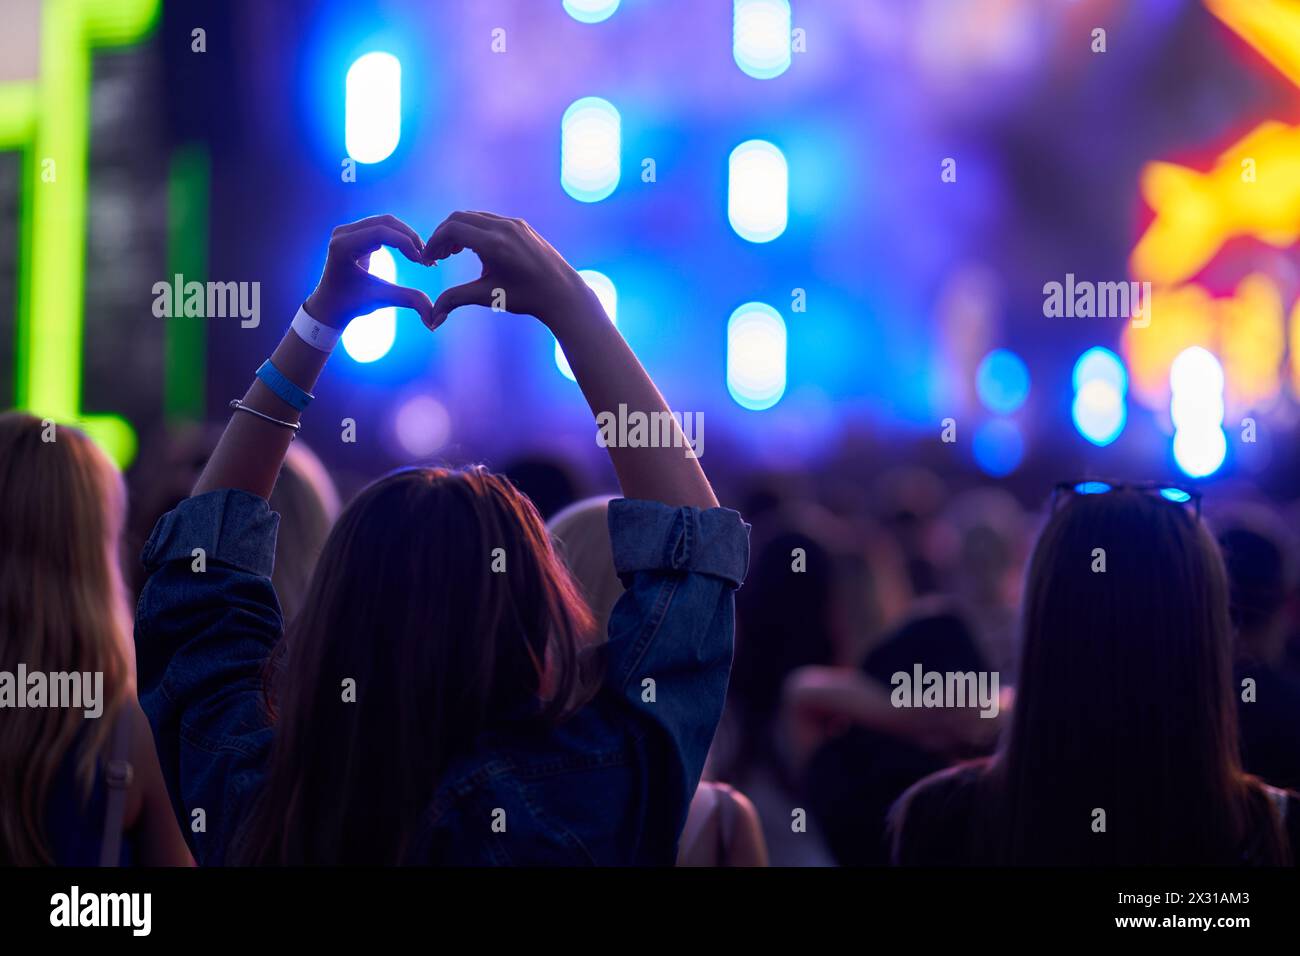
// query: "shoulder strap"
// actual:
[[118, 774]]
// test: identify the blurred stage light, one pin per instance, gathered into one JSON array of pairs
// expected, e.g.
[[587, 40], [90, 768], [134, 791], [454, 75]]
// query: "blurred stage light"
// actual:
[[47, 117], [1200, 451], [1196, 384], [998, 447], [590, 144], [756, 347], [1176, 495], [422, 426], [368, 338], [758, 185], [1294, 335], [607, 293], [1100, 364], [591, 11], [1196, 370], [1098, 412], [1194, 409], [1252, 340], [373, 107], [1100, 384], [1271, 26], [1186, 318], [1197, 213], [761, 37], [1002, 381]]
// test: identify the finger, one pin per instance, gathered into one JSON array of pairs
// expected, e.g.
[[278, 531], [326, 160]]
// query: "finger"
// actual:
[[402, 227], [455, 232], [403, 297], [367, 239], [385, 220], [478, 292], [489, 215], [484, 220]]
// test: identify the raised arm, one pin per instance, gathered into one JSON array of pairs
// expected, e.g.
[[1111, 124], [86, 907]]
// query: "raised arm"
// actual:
[[252, 449], [535, 280], [204, 631]]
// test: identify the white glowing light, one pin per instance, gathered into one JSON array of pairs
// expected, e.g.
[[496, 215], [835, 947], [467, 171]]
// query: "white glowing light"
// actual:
[[590, 11], [373, 107], [761, 37], [757, 191], [590, 144], [756, 353], [368, 338]]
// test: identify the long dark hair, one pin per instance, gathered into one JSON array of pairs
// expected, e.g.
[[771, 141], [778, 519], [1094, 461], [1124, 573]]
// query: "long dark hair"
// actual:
[[1125, 702], [445, 637], [784, 621]]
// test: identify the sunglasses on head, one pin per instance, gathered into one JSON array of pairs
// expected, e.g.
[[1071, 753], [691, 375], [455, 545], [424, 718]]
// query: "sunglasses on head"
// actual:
[[1174, 493]]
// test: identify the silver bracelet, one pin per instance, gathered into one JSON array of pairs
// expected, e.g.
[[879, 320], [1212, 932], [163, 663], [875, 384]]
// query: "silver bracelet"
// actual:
[[239, 406]]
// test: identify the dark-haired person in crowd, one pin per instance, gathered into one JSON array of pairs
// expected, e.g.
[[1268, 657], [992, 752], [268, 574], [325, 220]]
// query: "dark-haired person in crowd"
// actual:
[[439, 698], [1268, 698], [79, 778], [790, 616], [870, 751], [985, 568], [548, 482], [1122, 749]]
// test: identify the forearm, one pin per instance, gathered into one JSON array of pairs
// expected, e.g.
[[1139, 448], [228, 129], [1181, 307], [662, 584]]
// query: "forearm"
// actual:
[[610, 375], [203, 635], [831, 691], [251, 450]]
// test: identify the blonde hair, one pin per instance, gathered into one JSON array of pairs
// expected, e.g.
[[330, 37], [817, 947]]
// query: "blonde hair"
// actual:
[[581, 535], [63, 608]]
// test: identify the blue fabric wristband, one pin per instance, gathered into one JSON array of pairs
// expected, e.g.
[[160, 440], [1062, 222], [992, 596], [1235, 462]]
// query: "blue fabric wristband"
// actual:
[[288, 392]]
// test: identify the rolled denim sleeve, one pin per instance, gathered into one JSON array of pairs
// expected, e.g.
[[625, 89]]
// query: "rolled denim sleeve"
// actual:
[[672, 631], [206, 622]]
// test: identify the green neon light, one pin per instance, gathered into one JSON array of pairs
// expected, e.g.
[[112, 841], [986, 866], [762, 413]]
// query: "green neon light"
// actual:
[[52, 119], [17, 114], [185, 387]]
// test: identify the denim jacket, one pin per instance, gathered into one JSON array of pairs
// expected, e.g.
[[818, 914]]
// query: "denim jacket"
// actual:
[[609, 786]]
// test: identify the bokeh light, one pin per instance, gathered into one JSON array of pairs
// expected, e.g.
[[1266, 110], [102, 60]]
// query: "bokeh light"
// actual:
[[591, 11], [422, 426], [1252, 341], [1002, 381], [1100, 364], [998, 447], [1196, 406], [1098, 412], [761, 37], [758, 191], [756, 354], [1200, 451], [368, 338], [373, 107], [590, 148]]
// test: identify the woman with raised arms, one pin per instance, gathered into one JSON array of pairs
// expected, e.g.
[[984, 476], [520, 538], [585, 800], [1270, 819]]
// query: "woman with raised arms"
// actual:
[[438, 699]]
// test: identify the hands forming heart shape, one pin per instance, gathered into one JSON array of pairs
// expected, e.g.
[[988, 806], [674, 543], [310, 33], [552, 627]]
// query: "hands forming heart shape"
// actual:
[[522, 272]]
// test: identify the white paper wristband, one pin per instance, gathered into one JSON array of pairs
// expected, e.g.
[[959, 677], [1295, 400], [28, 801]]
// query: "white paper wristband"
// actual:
[[315, 334]]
